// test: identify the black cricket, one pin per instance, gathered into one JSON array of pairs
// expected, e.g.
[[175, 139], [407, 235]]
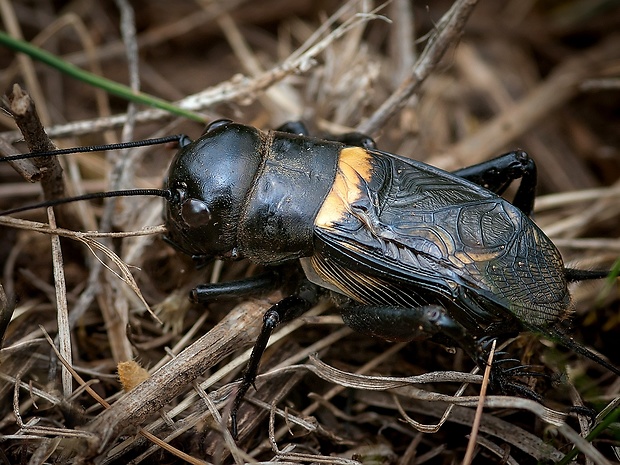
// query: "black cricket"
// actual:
[[410, 251]]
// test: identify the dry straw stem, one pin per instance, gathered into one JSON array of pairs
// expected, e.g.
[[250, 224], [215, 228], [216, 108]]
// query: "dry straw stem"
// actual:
[[406, 387], [334, 391], [187, 361], [561, 86], [90, 438], [62, 310], [239, 88], [88, 239], [77, 235], [491, 425], [475, 429], [287, 454], [238, 329], [6, 313], [448, 32], [159, 35], [12, 25]]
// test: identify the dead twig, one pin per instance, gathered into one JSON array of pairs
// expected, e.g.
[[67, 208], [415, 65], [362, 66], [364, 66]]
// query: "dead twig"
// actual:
[[447, 33], [239, 328], [22, 108]]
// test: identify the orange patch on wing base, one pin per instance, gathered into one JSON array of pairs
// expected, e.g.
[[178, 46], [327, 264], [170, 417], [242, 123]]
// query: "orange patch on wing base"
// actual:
[[358, 159], [354, 166]]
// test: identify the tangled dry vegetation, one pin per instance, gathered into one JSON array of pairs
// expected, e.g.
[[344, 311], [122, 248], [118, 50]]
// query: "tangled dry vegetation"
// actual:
[[542, 76]]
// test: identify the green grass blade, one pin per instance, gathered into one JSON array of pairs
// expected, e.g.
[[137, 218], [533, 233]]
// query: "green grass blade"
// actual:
[[108, 85], [610, 417]]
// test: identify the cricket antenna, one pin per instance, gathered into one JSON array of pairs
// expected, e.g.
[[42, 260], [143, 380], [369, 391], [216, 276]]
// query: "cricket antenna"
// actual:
[[182, 139], [166, 194]]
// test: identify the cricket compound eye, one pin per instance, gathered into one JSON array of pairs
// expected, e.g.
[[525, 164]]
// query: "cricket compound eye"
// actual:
[[195, 213]]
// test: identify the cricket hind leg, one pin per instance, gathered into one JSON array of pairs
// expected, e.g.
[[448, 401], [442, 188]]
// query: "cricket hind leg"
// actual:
[[433, 322]]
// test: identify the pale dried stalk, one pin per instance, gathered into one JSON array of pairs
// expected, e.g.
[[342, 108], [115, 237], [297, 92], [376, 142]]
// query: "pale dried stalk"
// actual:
[[62, 310], [240, 327], [561, 86], [188, 401], [237, 89]]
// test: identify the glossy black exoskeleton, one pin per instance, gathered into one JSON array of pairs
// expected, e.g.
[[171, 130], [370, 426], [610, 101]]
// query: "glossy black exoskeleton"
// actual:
[[417, 252]]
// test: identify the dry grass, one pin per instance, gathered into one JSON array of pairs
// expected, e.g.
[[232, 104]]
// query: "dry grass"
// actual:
[[537, 75]]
